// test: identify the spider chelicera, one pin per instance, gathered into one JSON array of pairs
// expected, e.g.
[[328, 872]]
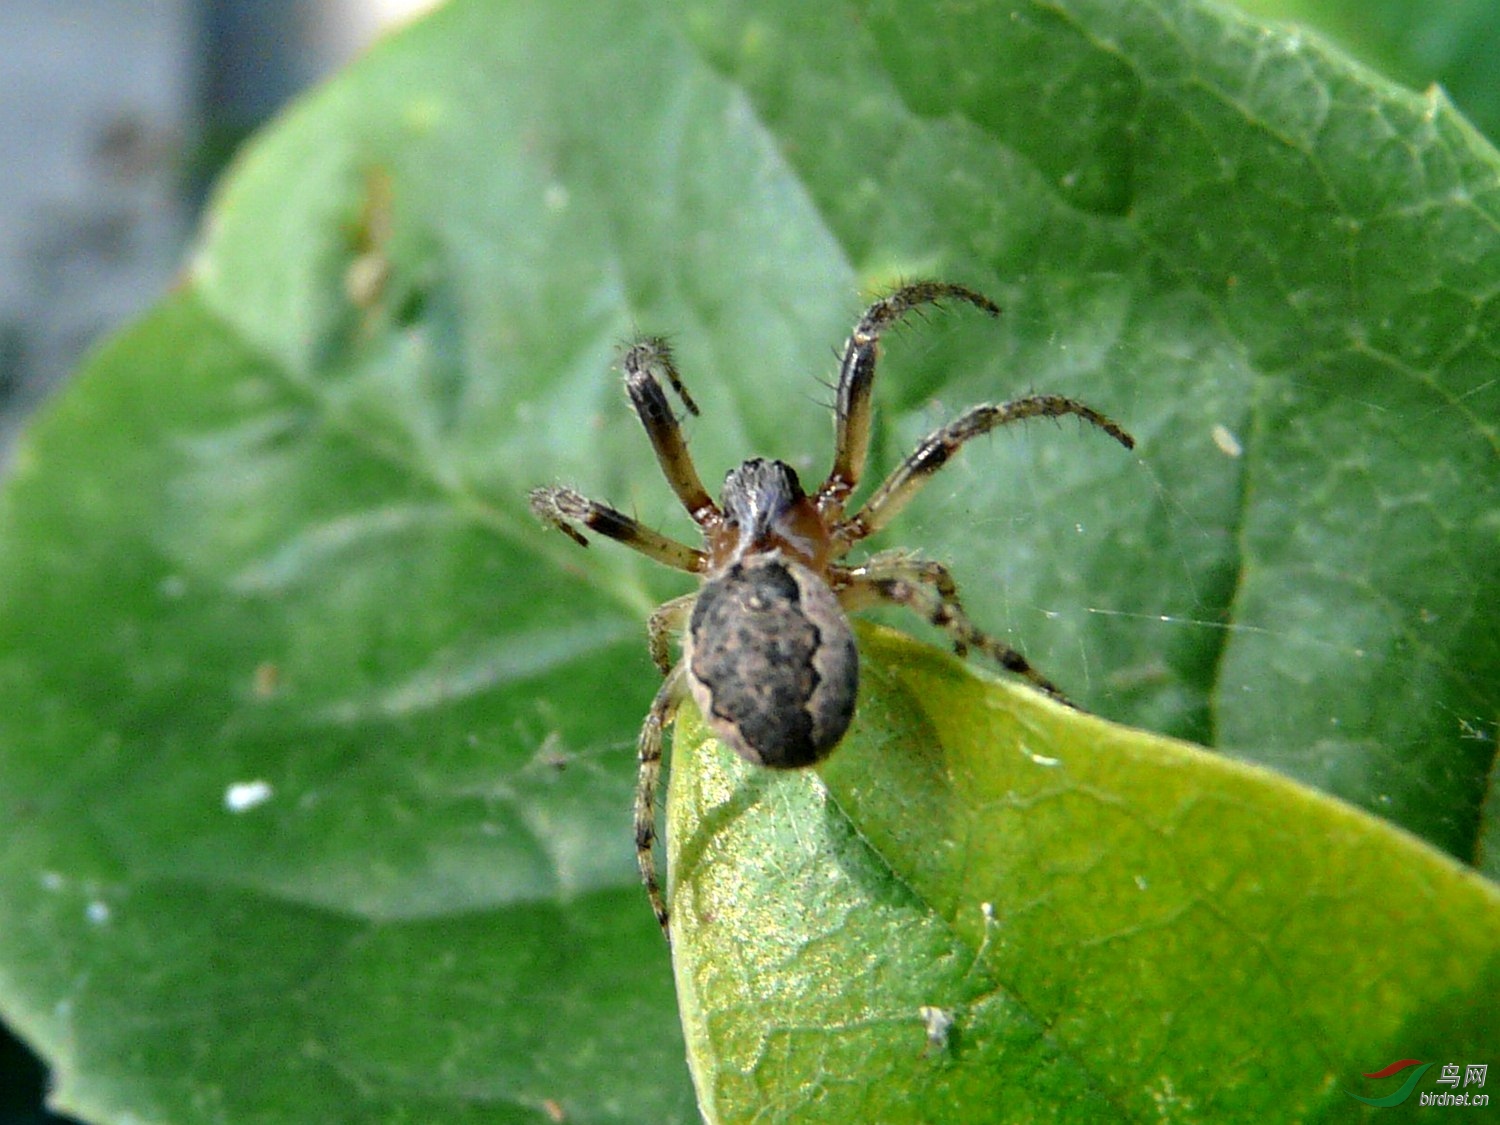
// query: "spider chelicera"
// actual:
[[767, 652]]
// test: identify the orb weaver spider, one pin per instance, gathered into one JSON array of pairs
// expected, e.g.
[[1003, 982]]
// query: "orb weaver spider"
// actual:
[[767, 652]]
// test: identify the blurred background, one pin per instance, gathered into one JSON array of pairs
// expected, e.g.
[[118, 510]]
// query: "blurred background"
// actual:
[[116, 115]]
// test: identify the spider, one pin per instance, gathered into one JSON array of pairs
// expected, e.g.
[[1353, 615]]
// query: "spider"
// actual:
[[767, 652]]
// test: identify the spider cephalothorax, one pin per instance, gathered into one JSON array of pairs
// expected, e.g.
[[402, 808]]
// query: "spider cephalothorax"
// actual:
[[767, 652]]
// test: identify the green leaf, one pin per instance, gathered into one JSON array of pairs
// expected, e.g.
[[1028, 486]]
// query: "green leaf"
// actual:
[[986, 892], [291, 835], [1414, 42], [315, 750]]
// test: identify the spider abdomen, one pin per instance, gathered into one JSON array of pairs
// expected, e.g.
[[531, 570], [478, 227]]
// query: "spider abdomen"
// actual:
[[771, 662]]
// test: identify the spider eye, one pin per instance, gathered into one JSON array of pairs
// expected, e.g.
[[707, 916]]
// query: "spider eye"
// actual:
[[759, 490]]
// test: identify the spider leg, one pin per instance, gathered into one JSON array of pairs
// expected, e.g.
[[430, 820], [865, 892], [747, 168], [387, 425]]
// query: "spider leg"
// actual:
[[933, 453], [947, 616], [648, 754], [927, 572], [644, 361], [857, 374], [562, 508], [666, 621]]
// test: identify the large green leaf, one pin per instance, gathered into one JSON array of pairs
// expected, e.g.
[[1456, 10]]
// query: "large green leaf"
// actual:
[[990, 910], [315, 750], [300, 823]]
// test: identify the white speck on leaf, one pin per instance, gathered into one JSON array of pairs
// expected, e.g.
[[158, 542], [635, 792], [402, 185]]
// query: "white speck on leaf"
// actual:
[[242, 796], [1039, 759], [1228, 444]]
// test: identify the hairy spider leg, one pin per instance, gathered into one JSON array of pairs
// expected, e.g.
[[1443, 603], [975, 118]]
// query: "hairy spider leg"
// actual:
[[562, 508], [667, 621], [644, 361], [856, 376], [648, 755], [656, 353], [897, 490], [897, 564], [947, 616]]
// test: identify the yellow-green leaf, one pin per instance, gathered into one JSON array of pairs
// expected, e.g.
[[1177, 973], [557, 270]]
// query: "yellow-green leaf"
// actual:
[[988, 907]]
